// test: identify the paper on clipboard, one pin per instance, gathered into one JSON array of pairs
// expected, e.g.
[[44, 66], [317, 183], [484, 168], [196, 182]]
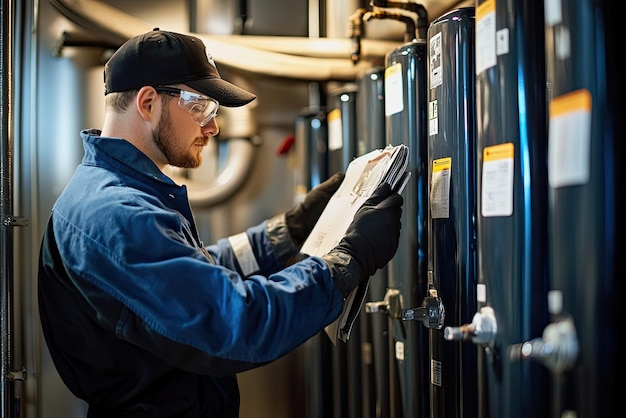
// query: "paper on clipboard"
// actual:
[[363, 175]]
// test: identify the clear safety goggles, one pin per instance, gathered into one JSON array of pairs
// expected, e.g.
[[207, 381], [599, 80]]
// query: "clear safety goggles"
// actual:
[[201, 108]]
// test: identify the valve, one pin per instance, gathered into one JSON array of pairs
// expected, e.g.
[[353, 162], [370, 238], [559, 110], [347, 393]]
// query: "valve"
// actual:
[[431, 313], [391, 304], [557, 349], [482, 329]]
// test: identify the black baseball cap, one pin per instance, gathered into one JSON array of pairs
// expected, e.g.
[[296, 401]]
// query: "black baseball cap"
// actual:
[[159, 58]]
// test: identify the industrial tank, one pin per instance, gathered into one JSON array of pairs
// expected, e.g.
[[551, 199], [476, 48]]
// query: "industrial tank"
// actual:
[[452, 209]]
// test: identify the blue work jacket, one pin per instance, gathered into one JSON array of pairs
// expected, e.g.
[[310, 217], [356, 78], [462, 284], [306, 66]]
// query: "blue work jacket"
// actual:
[[141, 319]]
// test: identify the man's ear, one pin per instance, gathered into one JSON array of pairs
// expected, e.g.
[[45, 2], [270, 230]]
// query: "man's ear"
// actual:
[[148, 103]]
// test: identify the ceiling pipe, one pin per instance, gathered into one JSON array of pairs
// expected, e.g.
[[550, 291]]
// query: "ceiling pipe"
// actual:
[[299, 58]]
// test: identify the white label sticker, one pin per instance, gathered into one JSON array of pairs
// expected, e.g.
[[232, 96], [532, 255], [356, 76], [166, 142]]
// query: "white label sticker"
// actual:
[[394, 88], [435, 372], [433, 118], [485, 36], [399, 350], [552, 12], [497, 180], [335, 134], [440, 188], [569, 139], [435, 61], [481, 293], [502, 42]]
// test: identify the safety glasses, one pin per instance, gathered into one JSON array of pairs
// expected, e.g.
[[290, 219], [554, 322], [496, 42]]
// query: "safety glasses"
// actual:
[[201, 108]]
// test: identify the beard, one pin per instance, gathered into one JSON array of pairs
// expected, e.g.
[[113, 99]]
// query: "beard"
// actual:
[[174, 148]]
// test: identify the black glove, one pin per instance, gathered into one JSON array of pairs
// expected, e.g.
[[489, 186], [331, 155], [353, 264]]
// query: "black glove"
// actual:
[[301, 219], [370, 241]]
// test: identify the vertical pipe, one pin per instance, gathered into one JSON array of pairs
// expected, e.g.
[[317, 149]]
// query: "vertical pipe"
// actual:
[[6, 216], [243, 15]]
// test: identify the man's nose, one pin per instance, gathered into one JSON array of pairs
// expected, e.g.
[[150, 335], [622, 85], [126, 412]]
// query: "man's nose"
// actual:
[[211, 128]]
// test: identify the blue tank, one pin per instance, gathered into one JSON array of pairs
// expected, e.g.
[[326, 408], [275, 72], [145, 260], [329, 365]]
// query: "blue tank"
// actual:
[[512, 201], [452, 214]]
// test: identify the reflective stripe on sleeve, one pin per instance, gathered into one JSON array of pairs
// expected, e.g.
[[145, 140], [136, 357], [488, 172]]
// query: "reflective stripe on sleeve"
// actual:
[[243, 251]]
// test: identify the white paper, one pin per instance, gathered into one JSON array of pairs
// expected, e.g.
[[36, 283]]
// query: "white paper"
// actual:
[[363, 175]]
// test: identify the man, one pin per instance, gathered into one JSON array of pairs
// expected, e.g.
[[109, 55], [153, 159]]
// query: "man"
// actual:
[[143, 320]]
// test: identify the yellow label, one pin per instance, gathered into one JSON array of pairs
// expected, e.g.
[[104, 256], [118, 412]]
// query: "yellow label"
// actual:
[[442, 164], [334, 115], [498, 152], [484, 8], [579, 100], [393, 69]]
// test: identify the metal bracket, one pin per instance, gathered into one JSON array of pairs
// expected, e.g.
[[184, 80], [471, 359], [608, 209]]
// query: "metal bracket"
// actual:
[[17, 375], [15, 221]]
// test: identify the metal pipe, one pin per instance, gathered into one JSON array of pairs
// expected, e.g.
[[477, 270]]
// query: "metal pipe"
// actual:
[[243, 16], [7, 390], [356, 32], [409, 32], [418, 9]]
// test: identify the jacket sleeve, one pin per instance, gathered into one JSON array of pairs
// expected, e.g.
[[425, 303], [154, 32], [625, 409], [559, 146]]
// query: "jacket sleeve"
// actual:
[[262, 249], [155, 290]]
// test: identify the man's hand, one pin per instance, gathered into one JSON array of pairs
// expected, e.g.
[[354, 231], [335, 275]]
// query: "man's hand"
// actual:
[[370, 241], [301, 219]]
